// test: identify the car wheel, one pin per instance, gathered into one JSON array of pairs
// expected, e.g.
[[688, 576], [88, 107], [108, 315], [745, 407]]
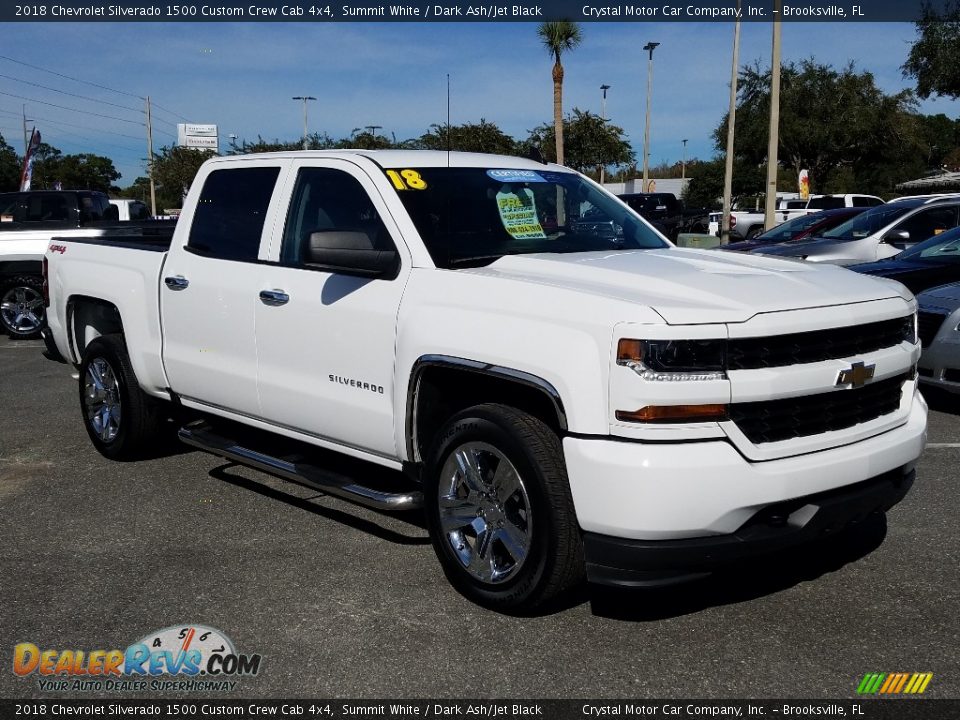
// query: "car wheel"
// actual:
[[753, 232], [500, 511], [123, 422], [21, 307]]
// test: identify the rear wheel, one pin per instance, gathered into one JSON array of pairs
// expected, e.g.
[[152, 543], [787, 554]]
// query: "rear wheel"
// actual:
[[753, 232], [21, 307], [500, 511], [123, 422]]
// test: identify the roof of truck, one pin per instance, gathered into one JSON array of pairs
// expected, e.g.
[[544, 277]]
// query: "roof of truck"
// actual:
[[407, 158]]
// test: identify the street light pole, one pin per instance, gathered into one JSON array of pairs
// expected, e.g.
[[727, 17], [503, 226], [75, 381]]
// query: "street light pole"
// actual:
[[603, 117], [774, 140], [649, 47], [304, 98], [731, 122], [683, 165]]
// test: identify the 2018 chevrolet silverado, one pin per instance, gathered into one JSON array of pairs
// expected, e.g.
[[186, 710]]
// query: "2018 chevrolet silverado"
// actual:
[[564, 403]]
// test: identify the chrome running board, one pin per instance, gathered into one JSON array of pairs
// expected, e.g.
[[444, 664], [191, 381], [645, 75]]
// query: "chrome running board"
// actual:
[[200, 434]]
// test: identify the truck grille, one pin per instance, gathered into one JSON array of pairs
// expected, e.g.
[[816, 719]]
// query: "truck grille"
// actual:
[[818, 345], [775, 420], [928, 324]]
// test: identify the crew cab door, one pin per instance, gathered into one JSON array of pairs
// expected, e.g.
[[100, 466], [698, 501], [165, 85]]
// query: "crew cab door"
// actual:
[[326, 339], [209, 287]]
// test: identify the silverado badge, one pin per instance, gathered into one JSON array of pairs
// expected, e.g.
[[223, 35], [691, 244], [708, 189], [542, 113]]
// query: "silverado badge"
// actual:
[[856, 375]]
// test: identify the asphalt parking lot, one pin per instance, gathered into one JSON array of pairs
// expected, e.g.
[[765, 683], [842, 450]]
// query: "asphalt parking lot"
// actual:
[[345, 602]]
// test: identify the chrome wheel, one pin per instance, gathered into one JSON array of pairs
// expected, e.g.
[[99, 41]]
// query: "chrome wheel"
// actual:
[[101, 399], [22, 309], [485, 512]]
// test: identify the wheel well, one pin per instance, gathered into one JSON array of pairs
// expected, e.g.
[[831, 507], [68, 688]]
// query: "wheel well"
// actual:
[[438, 391], [88, 318], [20, 267]]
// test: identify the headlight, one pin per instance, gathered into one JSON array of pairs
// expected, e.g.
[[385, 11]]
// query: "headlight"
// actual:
[[674, 360]]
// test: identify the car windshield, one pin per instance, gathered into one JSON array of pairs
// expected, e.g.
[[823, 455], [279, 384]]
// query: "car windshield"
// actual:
[[868, 223], [791, 228], [944, 247], [474, 216]]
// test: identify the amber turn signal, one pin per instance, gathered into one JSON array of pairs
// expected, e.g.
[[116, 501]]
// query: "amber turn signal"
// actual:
[[674, 413], [629, 351]]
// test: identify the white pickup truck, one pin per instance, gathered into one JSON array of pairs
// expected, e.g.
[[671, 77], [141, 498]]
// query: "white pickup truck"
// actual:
[[566, 399]]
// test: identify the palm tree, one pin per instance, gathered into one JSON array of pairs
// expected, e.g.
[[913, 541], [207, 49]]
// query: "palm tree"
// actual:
[[558, 37]]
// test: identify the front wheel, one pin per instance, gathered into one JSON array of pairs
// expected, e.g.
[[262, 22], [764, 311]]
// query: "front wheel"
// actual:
[[500, 511], [123, 422], [21, 307]]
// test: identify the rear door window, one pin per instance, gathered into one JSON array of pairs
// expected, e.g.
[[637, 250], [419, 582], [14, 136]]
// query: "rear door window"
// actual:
[[231, 211]]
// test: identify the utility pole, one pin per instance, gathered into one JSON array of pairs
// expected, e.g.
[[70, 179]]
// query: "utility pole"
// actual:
[[26, 135], [774, 143], [731, 123], [603, 117], [304, 98], [683, 165], [649, 47], [153, 186]]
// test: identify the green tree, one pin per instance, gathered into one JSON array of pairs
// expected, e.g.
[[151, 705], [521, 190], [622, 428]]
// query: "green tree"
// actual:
[[174, 169], [138, 190], [85, 171], [705, 188], [559, 37], [590, 142], [481, 137], [829, 119], [9, 167], [365, 141], [934, 59]]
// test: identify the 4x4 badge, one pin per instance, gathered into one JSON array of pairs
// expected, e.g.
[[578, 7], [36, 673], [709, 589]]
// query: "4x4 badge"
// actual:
[[856, 375]]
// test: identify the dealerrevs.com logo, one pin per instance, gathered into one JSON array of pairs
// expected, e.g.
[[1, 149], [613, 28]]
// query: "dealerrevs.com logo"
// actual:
[[178, 658]]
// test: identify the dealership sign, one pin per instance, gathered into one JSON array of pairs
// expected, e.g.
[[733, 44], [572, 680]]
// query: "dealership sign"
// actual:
[[201, 137]]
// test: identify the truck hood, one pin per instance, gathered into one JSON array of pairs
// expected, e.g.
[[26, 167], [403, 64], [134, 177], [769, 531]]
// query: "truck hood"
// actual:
[[686, 286]]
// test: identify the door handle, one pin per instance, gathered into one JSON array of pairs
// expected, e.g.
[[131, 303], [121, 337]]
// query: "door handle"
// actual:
[[177, 282], [274, 297]]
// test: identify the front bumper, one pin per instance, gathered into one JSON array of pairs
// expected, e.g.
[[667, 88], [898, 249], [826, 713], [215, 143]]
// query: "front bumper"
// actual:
[[672, 490], [651, 563]]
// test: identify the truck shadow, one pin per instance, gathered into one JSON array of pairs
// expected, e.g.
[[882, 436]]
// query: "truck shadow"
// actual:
[[743, 582], [347, 516]]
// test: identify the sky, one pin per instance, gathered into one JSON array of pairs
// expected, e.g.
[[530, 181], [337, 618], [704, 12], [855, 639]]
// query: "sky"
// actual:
[[242, 76]]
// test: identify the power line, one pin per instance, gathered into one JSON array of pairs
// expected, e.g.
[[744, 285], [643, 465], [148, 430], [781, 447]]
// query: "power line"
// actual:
[[93, 84], [82, 127], [64, 92], [68, 77], [64, 107]]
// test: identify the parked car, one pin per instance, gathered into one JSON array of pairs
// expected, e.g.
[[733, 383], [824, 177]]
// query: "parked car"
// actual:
[[879, 233], [931, 263], [129, 209], [27, 222], [939, 323], [800, 228], [747, 224], [668, 213], [563, 404]]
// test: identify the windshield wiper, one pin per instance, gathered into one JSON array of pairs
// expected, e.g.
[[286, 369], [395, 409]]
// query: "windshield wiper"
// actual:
[[476, 260]]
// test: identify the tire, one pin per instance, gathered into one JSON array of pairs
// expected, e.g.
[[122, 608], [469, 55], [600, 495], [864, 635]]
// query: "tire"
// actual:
[[506, 535], [753, 232], [22, 313], [123, 422]]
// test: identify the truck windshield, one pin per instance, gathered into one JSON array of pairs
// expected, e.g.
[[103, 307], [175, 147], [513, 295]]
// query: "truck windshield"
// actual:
[[474, 216]]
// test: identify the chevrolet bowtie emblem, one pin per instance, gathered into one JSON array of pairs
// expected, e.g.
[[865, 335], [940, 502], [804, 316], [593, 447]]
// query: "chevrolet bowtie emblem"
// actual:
[[856, 375]]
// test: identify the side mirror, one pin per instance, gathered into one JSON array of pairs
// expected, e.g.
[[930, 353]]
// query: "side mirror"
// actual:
[[897, 237], [350, 252]]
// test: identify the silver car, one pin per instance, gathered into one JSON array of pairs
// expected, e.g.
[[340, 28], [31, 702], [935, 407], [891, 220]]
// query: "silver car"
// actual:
[[939, 328], [879, 233]]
